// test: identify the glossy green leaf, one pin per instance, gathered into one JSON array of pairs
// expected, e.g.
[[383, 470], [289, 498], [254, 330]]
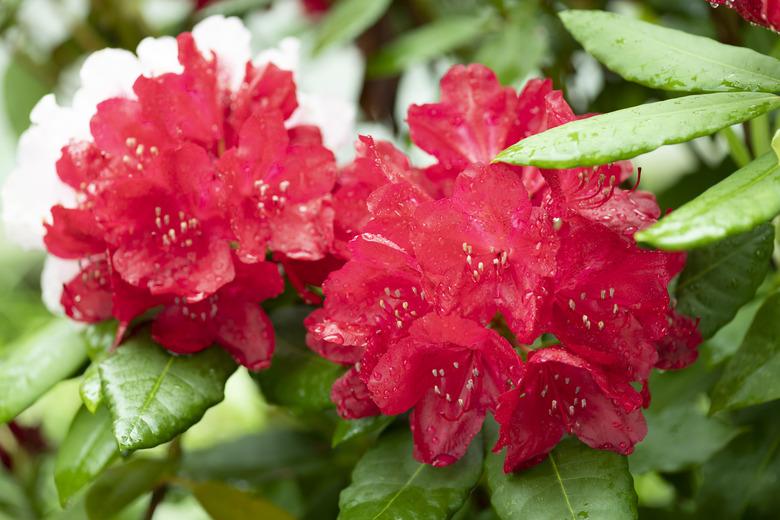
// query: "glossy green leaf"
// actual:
[[86, 451], [223, 502], [348, 19], [740, 481], [297, 378], [745, 199], [429, 41], [257, 459], [120, 486], [90, 389], [720, 278], [348, 430], [36, 363], [388, 483], [154, 396], [726, 342], [99, 338], [632, 131], [679, 433], [575, 482], [668, 59], [752, 376]]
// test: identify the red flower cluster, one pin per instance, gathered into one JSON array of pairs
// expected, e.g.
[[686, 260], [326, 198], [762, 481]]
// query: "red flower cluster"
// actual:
[[182, 192], [457, 267], [761, 12]]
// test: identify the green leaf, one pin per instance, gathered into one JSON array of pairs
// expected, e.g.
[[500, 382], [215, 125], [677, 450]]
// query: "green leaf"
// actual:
[[230, 8], [90, 389], [86, 451], [268, 456], [388, 483], [99, 338], [742, 478], [520, 31], [22, 89], [426, 42], [348, 430], [14, 503], [347, 19], [679, 433], [632, 131], [739, 203], [720, 278], [575, 482], [726, 342], [668, 59], [36, 363], [297, 378], [776, 144], [223, 502], [120, 486], [154, 395], [752, 376]]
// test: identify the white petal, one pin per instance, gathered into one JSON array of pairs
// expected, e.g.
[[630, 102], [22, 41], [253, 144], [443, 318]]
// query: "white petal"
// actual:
[[159, 56], [106, 74], [286, 55], [337, 72], [33, 187], [335, 117], [229, 39], [56, 273]]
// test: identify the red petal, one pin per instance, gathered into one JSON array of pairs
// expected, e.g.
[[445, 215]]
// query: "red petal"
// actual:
[[472, 121], [73, 234], [246, 332], [352, 398], [438, 441], [186, 105], [561, 392], [679, 348], [87, 297], [181, 329], [266, 89]]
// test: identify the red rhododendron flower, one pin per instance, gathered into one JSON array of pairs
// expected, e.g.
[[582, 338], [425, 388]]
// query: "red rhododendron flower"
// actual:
[[451, 371], [438, 260], [609, 298], [762, 12], [561, 393], [181, 194]]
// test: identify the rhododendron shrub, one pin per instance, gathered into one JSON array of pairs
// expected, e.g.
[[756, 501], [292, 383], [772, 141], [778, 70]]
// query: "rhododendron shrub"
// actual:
[[440, 264], [389, 266]]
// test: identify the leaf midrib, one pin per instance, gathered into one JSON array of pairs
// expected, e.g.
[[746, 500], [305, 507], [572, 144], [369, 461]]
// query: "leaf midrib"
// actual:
[[398, 493], [563, 488], [150, 397]]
